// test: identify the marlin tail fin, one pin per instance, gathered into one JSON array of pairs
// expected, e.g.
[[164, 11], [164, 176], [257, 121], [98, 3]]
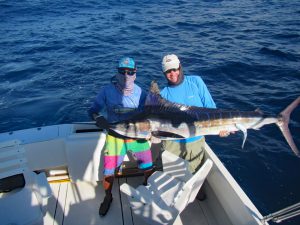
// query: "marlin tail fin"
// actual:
[[283, 122]]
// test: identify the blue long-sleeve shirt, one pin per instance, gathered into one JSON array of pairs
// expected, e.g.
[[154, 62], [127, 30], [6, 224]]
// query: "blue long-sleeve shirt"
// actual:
[[192, 92], [118, 106]]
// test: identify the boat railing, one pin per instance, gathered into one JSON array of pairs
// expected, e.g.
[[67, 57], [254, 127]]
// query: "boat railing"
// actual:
[[283, 214]]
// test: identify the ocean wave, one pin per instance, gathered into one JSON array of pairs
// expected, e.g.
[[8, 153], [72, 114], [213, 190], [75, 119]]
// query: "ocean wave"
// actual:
[[279, 54]]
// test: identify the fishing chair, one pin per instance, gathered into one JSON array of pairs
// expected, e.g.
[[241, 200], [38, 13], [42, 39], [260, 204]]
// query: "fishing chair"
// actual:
[[24, 194], [167, 193]]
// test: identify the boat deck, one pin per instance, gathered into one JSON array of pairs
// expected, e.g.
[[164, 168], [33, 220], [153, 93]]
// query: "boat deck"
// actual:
[[78, 203]]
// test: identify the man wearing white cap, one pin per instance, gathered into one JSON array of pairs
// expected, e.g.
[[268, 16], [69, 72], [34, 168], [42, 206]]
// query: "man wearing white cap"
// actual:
[[192, 91]]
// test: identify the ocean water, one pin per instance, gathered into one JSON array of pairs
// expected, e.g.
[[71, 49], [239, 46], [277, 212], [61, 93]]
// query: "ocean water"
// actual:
[[55, 55]]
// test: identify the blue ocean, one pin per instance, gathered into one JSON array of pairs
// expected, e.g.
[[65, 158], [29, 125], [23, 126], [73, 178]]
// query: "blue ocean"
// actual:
[[55, 55]]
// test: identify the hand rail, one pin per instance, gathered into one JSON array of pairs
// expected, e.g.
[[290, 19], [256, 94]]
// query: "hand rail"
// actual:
[[283, 214]]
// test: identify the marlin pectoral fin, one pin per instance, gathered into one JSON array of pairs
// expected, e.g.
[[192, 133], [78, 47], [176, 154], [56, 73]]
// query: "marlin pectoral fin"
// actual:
[[244, 130], [164, 135]]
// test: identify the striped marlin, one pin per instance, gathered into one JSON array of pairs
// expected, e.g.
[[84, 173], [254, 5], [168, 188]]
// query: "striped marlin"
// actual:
[[168, 121]]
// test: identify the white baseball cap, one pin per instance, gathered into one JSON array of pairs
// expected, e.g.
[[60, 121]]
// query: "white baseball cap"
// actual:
[[170, 62]]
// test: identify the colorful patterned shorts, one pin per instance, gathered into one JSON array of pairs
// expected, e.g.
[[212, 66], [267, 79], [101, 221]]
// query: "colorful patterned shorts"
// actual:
[[116, 149]]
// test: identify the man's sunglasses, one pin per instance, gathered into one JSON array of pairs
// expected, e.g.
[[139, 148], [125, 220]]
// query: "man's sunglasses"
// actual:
[[171, 70], [129, 72]]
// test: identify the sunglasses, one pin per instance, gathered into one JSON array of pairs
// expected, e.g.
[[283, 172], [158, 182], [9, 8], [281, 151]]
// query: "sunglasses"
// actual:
[[171, 70], [129, 72]]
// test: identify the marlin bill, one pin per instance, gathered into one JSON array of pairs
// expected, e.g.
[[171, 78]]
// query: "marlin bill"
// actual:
[[169, 121]]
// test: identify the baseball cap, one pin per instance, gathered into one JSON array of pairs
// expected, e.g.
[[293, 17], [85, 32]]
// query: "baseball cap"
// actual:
[[127, 62], [170, 62]]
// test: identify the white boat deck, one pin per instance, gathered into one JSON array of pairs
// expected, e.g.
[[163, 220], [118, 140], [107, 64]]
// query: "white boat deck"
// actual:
[[62, 147], [78, 203]]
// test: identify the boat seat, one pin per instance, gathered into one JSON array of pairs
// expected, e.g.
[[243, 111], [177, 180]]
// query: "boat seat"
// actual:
[[168, 192], [26, 203]]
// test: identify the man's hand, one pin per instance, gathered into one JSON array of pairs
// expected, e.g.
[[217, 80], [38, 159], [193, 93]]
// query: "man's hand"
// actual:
[[225, 133], [101, 122]]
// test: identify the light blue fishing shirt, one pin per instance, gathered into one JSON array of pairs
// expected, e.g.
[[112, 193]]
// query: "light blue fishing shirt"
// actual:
[[118, 106], [192, 92]]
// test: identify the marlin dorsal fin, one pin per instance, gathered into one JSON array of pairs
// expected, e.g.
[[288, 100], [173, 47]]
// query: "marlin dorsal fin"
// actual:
[[154, 88], [154, 97]]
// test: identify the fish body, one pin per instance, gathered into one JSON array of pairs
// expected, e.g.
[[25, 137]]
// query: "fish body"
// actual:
[[167, 120]]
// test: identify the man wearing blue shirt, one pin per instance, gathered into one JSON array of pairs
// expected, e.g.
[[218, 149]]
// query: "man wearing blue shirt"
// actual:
[[121, 100], [192, 91]]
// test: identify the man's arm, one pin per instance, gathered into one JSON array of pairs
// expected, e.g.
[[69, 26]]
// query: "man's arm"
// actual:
[[96, 107]]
